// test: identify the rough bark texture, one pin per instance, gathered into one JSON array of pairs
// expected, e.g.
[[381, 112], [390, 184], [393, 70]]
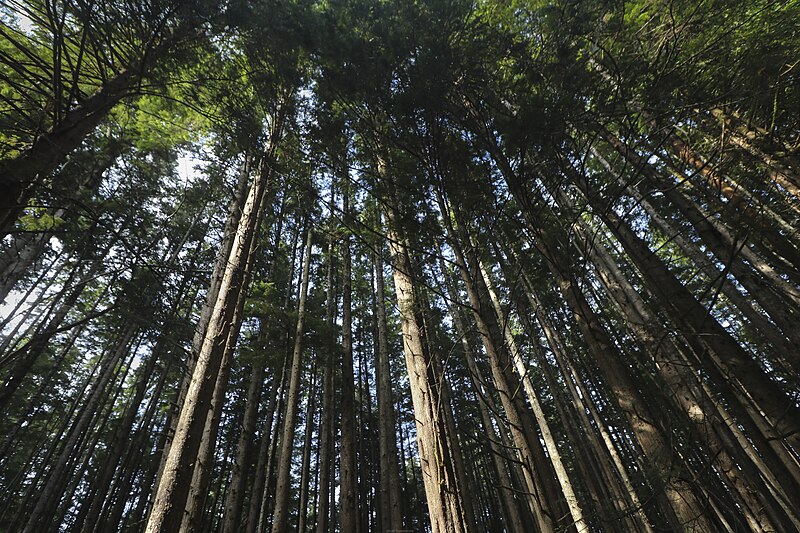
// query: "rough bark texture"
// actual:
[[445, 506], [175, 482]]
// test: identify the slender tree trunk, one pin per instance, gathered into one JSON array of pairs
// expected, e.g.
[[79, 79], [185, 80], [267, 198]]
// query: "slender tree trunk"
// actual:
[[390, 495], [174, 485], [280, 518], [327, 416], [541, 420], [348, 494], [263, 472], [670, 367], [506, 489], [702, 331], [235, 496], [306, 464], [50, 495]]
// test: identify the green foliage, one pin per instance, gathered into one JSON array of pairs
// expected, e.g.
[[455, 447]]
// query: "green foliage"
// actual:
[[38, 219]]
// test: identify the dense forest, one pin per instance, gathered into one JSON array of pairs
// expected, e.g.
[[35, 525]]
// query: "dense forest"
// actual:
[[455, 266]]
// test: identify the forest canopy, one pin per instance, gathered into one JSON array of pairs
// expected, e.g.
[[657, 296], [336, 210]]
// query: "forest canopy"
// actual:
[[455, 266]]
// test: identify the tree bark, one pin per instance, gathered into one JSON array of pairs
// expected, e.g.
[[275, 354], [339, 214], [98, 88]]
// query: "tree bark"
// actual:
[[280, 518], [174, 485], [235, 495], [390, 492], [348, 495], [445, 505]]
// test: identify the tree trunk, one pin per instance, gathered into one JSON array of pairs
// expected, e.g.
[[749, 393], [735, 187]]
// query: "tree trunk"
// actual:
[[506, 489], [538, 412], [306, 465], [263, 471], [505, 382], [348, 495], [280, 518], [327, 415], [445, 504], [700, 329], [21, 175], [174, 485], [677, 498], [391, 495], [236, 489]]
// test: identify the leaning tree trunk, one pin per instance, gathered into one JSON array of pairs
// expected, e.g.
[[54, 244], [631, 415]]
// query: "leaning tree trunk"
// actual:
[[701, 330], [445, 503], [20, 175], [507, 492], [541, 420], [175, 483], [234, 498], [678, 501]]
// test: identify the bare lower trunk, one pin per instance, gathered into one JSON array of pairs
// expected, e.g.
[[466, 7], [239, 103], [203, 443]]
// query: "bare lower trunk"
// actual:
[[445, 505], [348, 496], [235, 495], [390, 493], [311, 402], [174, 485], [280, 518]]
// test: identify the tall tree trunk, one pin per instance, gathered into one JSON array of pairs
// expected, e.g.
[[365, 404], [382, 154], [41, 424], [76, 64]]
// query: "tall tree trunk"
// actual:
[[174, 485], [390, 495], [700, 329], [506, 489], [236, 489], [348, 495], [263, 473], [445, 503], [327, 416], [678, 503], [306, 464], [280, 518], [541, 420], [522, 430]]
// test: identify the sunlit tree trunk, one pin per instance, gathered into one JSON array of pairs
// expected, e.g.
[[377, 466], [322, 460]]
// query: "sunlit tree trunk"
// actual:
[[175, 482], [445, 505]]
